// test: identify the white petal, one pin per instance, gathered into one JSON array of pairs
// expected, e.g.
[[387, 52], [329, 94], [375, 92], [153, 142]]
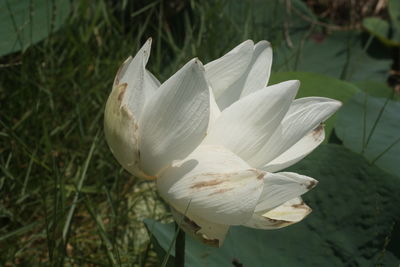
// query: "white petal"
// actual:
[[120, 129], [298, 151], [223, 72], [255, 78], [175, 119], [260, 70], [141, 84], [286, 214], [132, 87], [281, 187], [304, 115], [245, 126], [209, 233], [213, 184]]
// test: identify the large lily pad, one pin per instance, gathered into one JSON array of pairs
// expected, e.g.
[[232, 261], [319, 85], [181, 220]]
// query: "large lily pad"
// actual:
[[24, 23], [355, 215], [382, 147], [313, 84], [377, 89], [340, 55]]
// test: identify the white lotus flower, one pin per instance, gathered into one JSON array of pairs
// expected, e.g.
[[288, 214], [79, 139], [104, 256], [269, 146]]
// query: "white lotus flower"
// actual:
[[215, 139]]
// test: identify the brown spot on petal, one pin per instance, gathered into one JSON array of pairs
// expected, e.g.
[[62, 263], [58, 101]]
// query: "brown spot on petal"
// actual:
[[271, 220], [312, 184], [299, 206], [317, 131], [117, 77], [191, 224], [125, 111], [210, 242], [121, 70], [192, 228], [149, 177], [220, 191], [260, 176], [208, 183], [302, 206], [121, 91], [278, 223]]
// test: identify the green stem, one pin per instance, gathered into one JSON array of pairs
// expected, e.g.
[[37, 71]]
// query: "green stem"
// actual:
[[179, 247]]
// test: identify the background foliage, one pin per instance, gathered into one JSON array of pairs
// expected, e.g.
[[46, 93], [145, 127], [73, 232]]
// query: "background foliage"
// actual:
[[66, 201]]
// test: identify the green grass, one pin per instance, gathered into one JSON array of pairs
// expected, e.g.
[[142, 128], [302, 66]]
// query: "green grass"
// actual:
[[64, 198]]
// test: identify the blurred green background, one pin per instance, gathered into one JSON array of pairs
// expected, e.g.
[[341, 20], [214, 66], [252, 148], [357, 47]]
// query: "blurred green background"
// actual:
[[65, 201]]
